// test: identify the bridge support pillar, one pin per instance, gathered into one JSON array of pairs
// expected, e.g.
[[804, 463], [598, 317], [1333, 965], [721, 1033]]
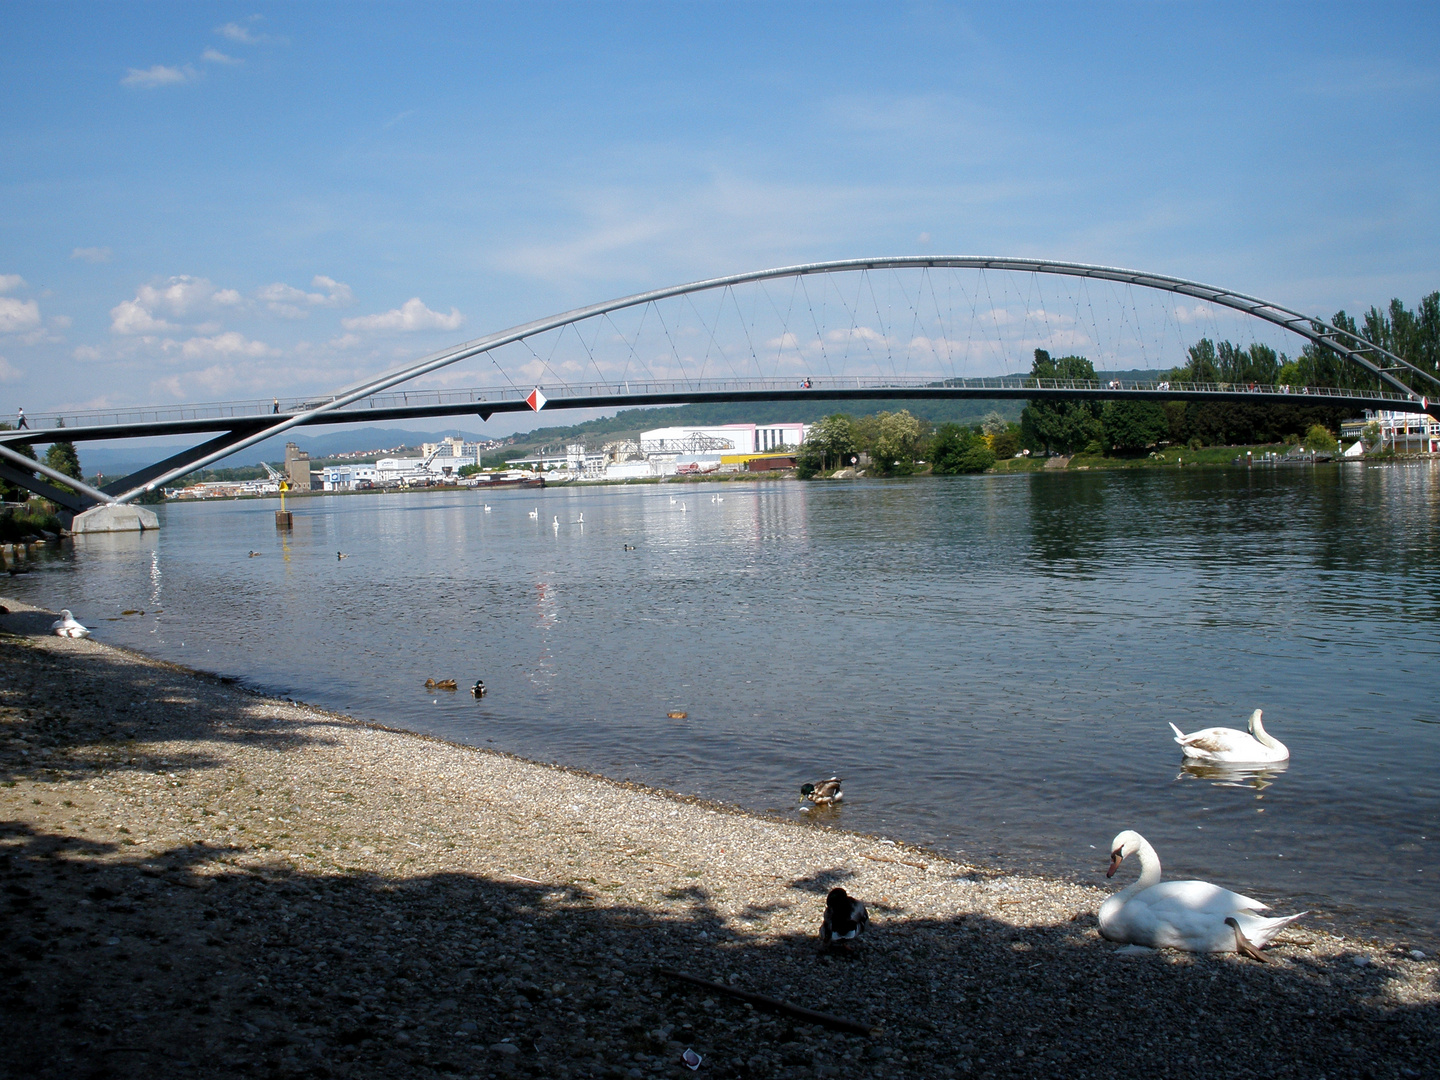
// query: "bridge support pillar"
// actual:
[[115, 518]]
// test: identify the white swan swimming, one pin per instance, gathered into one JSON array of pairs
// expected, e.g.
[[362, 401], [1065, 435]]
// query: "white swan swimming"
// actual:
[[68, 626], [535, 514], [1226, 744], [487, 508], [1192, 915]]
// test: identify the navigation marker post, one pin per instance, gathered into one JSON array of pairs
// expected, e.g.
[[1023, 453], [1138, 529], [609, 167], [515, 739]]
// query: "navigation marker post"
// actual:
[[536, 400]]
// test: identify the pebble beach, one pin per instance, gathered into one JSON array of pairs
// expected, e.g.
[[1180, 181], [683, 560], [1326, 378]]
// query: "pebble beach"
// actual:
[[202, 881]]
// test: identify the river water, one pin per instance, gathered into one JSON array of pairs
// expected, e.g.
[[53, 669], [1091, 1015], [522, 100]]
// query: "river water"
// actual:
[[989, 662]]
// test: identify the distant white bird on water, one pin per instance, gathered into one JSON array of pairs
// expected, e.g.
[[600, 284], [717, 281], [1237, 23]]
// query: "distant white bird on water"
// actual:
[[581, 521], [1220, 744], [556, 523], [682, 508], [535, 514], [487, 508], [1192, 915], [68, 626]]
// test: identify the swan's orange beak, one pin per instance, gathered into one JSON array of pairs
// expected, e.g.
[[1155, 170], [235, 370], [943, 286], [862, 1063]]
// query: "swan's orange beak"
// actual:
[[1115, 858]]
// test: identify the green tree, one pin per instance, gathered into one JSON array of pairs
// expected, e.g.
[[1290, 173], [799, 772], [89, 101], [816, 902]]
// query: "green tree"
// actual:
[[1007, 443], [829, 444], [62, 457], [1134, 425], [1318, 438], [960, 450], [897, 438], [1064, 426], [994, 424]]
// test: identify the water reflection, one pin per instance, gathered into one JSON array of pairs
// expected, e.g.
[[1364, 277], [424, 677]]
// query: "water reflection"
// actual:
[[1257, 777]]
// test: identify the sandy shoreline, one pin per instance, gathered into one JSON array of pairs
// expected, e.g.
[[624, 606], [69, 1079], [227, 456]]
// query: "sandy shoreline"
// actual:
[[208, 882]]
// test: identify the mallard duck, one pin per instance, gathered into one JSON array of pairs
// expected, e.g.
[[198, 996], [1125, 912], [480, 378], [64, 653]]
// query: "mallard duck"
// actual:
[[845, 918], [824, 793], [254, 555], [439, 684], [68, 626], [478, 690], [1192, 915], [629, 547], [1223, 744], [341, 555]]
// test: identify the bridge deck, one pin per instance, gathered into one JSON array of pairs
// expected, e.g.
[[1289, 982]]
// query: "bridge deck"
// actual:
[[255, 415]]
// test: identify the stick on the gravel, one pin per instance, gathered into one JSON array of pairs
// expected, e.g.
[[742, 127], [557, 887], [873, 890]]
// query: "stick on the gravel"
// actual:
[[767, 1002]]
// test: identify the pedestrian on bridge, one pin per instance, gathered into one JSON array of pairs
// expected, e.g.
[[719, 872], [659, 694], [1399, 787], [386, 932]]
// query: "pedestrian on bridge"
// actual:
[[20, 422]]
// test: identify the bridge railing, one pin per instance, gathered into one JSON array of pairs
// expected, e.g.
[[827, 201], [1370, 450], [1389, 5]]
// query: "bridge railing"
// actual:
[[258, 409]]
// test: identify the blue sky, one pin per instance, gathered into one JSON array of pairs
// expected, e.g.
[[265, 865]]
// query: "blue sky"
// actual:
[[211, 201]]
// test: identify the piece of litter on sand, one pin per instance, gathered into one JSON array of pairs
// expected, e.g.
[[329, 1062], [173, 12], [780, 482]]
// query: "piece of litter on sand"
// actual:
[[692, 1059], [527, 880]]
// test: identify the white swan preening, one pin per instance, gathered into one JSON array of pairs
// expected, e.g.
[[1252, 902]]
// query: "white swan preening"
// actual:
[[1226, 744], [1191, 915], [68, 626]]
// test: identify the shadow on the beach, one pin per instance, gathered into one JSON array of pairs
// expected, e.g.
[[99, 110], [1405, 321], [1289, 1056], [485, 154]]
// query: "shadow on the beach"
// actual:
[[123, 702], [119, 965]]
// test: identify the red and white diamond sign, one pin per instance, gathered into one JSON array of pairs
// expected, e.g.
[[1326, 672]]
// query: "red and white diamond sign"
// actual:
[[536, 400]]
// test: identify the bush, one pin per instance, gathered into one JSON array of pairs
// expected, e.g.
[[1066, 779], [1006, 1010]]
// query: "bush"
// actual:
[[1005, 445], [958, 450], [1319, 440]]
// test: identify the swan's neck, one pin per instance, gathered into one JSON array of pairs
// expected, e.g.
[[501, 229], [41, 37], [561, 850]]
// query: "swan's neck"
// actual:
[[1263, 737], [1149, 871]]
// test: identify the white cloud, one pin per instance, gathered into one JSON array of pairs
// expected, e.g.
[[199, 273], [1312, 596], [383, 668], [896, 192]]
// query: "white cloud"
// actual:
[[411, 315], [10, 281], [18, 315], [131, 317], [9, 372], [1197, 313], [292, 303], [243, 35], [159, 75], [178, 297], [237, 33], [215, 56], [223, 346], [92, 254]]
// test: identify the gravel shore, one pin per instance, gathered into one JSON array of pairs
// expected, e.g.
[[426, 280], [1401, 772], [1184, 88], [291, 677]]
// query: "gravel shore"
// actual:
[[199, 881]]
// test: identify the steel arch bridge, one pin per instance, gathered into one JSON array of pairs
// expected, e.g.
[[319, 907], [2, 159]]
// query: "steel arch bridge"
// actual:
[[243, 424]]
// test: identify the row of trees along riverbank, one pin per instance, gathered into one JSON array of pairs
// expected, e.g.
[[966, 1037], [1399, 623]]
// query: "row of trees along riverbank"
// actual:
[[1126, 427]]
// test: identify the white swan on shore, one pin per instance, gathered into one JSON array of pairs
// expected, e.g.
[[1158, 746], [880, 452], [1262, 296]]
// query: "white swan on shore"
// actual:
[[1222, 744], [1192, 915], [68, 626]]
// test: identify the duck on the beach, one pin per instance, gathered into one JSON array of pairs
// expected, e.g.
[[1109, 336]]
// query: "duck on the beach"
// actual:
[[1221, 744], [825, 793], [68, 626], [1192, 915], [845, 918], [478, 690]]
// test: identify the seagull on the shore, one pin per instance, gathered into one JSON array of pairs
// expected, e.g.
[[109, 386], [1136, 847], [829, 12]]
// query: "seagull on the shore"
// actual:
[[68, 626], [845, 918], [825, 793]]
